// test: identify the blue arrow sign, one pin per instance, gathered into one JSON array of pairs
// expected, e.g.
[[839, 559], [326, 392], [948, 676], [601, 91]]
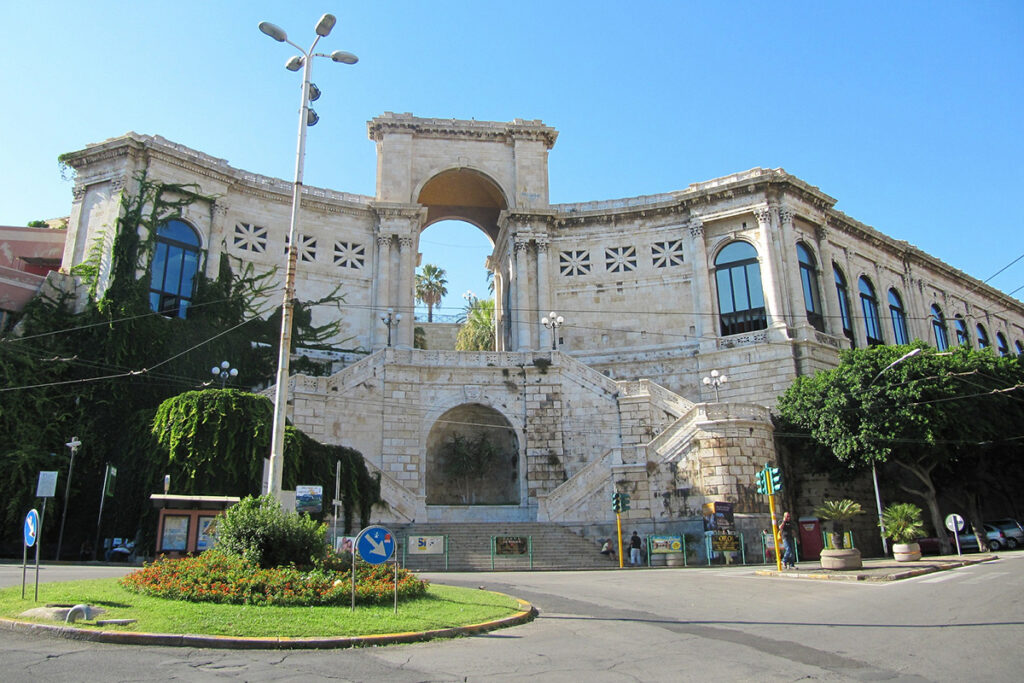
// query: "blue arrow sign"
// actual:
[[375, 544], [31, 528]]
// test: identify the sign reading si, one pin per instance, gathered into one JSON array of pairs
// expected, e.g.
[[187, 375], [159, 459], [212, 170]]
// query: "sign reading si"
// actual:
[[375, 544]]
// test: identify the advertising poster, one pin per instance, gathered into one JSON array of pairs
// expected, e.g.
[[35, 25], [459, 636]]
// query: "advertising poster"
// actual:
[[510, 545], [343, 544], [175, 533], [718, 517], [661, 545], [725, 543], [207, 537], [426, 545], [309, 499]]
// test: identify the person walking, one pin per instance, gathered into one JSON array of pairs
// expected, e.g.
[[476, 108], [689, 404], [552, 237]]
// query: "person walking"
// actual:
[[634, 550], [786, 531]]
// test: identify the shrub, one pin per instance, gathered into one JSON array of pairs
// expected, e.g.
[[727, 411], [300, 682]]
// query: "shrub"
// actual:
[[258, 530], [229, 579], [902, 522]]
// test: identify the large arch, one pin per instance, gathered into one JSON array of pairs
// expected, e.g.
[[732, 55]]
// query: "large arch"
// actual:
[[463, 194], [472, 458]]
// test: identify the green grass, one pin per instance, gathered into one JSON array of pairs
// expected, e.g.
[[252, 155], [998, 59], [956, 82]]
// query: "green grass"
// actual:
[[442, 607]]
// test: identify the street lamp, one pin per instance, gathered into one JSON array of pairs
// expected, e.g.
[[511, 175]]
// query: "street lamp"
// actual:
[[553, 321], [390, 319], [874, 470], [223, 371], [716, 380], [307, 117], [73, 445]]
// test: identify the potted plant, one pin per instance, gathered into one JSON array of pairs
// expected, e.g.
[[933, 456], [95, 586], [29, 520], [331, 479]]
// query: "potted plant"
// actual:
[[839, 513], [903, 525]]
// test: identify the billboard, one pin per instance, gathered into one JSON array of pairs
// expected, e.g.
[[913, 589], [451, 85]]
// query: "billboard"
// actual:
[[309, 499]]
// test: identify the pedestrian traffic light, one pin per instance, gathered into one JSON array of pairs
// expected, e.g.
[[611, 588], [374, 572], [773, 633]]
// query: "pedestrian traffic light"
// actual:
[[776, 479], [624, 501], [616, 502]]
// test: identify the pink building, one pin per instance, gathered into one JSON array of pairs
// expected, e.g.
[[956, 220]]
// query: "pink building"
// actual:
[[26, 256]]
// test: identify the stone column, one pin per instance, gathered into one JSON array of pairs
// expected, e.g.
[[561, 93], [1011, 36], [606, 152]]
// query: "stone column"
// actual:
[[791, 266], [406, 284], [829, 295], [860, 333], [769, 281], [218, 214], [383, 288], [544, 303], [704, 305], [523, 322]]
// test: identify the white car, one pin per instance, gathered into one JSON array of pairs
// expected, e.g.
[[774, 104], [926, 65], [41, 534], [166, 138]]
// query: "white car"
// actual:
[[1012, 529]]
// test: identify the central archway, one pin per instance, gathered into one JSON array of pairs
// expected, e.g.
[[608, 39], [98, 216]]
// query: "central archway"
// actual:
[[463, 194], [472, 458]]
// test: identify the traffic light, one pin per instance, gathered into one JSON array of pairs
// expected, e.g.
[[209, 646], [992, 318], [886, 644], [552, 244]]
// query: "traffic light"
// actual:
[[616, 502], [776, 479], [624, 501], [760, 483]]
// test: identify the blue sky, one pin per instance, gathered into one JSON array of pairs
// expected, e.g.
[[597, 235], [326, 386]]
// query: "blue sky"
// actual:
[[909, 113]]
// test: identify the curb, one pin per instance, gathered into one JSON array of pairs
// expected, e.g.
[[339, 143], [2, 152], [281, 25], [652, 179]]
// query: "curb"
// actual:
[[526, 614], [878, 578]]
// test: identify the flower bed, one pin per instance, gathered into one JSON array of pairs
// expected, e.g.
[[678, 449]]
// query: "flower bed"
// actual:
[[216, 577]]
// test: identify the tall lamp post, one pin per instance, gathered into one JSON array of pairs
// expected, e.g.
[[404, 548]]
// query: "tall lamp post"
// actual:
[[73, 445], [390, 319], [716, 379], [874, 471], [307, 117], [553, 321], [223, 372]]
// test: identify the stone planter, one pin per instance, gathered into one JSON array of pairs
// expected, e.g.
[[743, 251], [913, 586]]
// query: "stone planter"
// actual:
[[847, 558], [906, 552]]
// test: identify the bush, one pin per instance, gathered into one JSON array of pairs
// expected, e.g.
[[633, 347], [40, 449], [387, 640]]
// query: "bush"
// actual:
[[258, 530], [902, 522], [228, 579]]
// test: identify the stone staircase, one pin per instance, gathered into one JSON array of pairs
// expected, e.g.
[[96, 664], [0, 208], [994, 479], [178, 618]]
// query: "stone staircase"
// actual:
[[469, 547]]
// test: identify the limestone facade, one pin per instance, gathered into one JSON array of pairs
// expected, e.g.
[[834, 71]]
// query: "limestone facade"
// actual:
[[652, 289]]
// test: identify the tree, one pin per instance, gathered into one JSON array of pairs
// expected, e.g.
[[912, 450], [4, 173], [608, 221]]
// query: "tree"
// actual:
[[477, 332], [430, 288], [929, 417]]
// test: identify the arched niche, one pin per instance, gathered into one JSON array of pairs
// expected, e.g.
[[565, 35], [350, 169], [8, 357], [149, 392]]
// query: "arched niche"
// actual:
[[472, 458], [463, 194]]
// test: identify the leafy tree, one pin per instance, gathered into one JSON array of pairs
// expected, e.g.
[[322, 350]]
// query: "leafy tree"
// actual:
[[465, 461], [477, 333], [929, 417], [430, 287], [258, 530]]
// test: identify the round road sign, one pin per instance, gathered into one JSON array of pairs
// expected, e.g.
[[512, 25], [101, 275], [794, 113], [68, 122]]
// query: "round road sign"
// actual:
[[955, 523], [31, 527], [375, 544]]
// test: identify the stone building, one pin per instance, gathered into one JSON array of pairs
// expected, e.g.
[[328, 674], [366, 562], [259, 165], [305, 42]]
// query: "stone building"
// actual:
[[755, 274]]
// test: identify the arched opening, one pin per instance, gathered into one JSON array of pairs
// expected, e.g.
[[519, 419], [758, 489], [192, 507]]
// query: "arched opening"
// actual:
[[472, 458], [463, 207], [173, 268]]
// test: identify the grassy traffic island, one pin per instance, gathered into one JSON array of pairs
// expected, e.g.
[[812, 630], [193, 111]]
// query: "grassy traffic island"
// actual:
[[218, 600]]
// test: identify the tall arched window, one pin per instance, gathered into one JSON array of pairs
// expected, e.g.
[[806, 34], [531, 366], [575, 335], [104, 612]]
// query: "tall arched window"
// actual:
[[961, 331], [809, 282], [1020, 347], [939, 328], [844, 303], [899, 318], [983, 342], [1001, 345], [173, 269], [740, 297], [869, 307]]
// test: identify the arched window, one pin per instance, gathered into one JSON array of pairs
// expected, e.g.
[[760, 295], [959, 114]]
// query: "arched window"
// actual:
[[961, 331], [939, 328], [899, 318], [740, 297], [844, 303], [1001, 345], [809, 282], [1020, 347], [174, 267], [869, 307], [983, 342]]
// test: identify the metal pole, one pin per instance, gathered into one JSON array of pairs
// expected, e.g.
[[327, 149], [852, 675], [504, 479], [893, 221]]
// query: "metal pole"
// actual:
[[99, 518], [39, 544], [284, 352], [878, 505], [73, 445], [775, 524], [618, 524]]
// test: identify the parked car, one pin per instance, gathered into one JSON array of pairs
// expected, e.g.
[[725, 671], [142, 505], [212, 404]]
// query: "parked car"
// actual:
[[997, 539], [1012, 529]]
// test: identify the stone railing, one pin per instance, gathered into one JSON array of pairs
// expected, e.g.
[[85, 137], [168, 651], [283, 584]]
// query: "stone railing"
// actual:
[[660, 397], [402, 502], [606, 204], [557, 505], [746, 339]]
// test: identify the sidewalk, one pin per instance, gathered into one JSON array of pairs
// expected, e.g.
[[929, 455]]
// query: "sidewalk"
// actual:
[[884, 569]]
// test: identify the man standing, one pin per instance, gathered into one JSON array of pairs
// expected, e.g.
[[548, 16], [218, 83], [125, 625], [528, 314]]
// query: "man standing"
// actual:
[[634, 550], [788, 543]]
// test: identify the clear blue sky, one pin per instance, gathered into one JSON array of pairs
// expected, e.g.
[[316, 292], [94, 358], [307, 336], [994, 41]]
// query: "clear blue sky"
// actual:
[[909, 113]]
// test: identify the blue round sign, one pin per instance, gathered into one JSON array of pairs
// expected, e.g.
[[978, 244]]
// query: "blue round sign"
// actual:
[[375, 544], [31, 527]]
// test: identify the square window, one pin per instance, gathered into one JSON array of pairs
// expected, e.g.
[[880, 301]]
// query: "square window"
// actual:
[[349, 255], [620, 259], [249, 237], [574, 262], [667, 254]]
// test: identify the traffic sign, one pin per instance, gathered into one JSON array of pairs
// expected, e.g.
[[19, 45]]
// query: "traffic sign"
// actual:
[[955, 523], [375, 544], [31, 528]]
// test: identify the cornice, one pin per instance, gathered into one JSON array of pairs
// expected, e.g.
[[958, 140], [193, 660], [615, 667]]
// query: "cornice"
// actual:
[[517, 129]]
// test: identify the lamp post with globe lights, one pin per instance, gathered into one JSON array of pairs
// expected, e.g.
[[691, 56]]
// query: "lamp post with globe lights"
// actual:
[[553, 321], [390, 319], [307, 117], [716, 379], [223, 372]]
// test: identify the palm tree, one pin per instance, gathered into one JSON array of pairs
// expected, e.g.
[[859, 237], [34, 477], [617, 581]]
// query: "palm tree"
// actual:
[[430, 287], [839, 512], [477, 333]]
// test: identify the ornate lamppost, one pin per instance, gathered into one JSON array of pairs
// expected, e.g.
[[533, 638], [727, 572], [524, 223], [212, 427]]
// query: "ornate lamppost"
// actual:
[[553, 321], [716, 379]]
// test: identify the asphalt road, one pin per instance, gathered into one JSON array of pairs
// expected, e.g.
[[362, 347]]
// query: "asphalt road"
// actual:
[[631, 625]]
